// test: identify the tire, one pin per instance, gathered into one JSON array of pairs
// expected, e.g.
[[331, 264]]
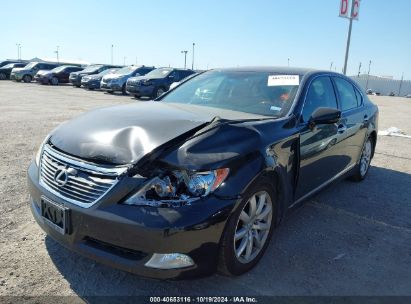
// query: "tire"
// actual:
[[123, 89], [54, 81], [233, 253], [3, 76], [77, 86], [361, 170], [110, 92], [27, 78], [158, 92], [137, 96]]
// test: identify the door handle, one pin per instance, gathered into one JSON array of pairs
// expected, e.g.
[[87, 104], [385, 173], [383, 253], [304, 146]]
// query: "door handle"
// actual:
[[365, 118], [342, 128]]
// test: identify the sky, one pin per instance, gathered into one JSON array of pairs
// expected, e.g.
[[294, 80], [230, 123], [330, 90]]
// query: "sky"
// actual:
[[226, 33]]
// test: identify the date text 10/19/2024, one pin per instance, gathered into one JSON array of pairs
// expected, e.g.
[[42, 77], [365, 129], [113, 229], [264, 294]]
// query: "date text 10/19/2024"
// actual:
[[203, 300]]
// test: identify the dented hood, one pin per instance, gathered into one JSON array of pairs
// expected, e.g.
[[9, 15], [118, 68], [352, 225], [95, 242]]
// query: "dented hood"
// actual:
[[124, 134]]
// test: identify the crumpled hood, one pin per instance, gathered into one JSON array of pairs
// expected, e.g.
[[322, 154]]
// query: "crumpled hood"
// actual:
[[124, 134]]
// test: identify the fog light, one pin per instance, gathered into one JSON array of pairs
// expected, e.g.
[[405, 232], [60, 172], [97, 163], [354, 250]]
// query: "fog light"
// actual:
[[169, 261]]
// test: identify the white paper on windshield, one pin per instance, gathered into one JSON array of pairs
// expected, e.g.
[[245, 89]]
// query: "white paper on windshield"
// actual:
[[283, 80]]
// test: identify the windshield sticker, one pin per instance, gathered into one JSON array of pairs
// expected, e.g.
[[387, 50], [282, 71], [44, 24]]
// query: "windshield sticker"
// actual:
[[274, 108], [283, 80]]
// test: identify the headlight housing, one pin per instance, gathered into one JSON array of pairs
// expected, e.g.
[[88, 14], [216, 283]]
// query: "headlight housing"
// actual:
[[177, 187], [40, 149]]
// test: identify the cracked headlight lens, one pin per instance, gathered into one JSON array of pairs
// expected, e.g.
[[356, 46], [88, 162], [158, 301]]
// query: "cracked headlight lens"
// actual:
[[178, 186]]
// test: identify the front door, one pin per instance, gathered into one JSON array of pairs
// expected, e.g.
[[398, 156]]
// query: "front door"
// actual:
[[321, 152]]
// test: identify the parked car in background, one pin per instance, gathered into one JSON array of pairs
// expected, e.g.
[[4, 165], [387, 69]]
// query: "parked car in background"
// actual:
[[6, 62], [391, 94], [369, 92], [117, 81], [57, 75], [408, 96], [200, 179], [155, 83], [177, 83], [27, 73], [5, 70], [75, 77], [92, 82]]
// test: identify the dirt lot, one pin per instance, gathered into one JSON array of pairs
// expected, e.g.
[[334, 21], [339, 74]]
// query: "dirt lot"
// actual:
[[352, 239]]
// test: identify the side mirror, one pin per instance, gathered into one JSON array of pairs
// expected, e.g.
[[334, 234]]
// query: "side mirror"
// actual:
[[325, 116]]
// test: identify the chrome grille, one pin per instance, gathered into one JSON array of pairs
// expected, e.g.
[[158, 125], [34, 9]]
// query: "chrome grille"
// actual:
[[85, 183]]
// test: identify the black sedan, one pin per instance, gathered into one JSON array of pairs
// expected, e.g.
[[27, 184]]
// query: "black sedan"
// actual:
[[199, 179], [57, 75]]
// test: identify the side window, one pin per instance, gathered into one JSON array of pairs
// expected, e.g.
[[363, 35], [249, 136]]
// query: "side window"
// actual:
[[320, 94], [176, 75], [359, 96], [348, 97]]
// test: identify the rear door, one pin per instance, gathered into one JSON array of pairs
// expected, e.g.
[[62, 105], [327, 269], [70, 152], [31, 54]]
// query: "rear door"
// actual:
[[353, 118], [322, 153]]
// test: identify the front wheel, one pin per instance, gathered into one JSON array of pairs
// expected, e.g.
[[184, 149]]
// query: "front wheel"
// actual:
[[361, 170], [159, 92], [3, 76], [54, 81], [248, 230], [27, 78]]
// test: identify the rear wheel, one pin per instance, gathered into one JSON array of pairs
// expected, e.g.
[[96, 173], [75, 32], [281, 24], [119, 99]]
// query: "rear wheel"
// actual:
[[362, 168], [27, 78], [3, 76], [123, 89], [54, 81], [248, 230]]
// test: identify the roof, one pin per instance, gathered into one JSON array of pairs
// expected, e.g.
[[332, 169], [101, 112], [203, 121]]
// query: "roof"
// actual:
[[275, 69]]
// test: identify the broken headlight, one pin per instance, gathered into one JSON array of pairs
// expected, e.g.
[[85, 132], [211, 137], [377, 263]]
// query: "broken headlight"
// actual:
[[176, 187]]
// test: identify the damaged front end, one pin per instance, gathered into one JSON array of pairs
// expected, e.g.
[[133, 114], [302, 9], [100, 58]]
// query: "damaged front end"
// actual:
[[175, 188]]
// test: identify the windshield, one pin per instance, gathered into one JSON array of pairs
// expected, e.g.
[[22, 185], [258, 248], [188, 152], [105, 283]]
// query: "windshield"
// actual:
[[125, 70], [261, 93], [58, 69], [108, 71], [91, 69], [159, 73], [30, 65]]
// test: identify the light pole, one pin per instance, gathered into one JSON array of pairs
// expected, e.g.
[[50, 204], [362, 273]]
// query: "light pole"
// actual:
[[359, 70], [57, 53], [331, 66], [402, 79], [124, 60], [185, 58], [112, 46], [368, 75], [18, 50], [288, 61], [192, 62]]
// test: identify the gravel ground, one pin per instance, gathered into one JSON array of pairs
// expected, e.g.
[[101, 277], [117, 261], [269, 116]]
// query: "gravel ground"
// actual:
[[351, 239]]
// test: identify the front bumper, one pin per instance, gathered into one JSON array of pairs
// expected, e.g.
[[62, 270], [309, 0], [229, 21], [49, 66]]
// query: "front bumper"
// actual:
[[104, 231], [42, 80], [140, 90], [91, 84], [16, 77], [109, 86], [75, 81]]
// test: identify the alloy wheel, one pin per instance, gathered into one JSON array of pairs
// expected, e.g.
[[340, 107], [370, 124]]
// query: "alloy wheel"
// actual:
[[365, 157], [253, 227]]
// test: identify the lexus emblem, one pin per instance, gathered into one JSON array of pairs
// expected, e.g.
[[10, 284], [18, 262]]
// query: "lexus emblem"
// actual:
[[62, 175]]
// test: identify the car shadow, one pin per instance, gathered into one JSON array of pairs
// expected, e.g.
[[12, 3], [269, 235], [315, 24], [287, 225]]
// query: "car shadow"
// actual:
[[320, 249]]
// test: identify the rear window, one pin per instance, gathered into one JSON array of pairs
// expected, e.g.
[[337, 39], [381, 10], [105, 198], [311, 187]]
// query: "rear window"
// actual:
[[347, 96]]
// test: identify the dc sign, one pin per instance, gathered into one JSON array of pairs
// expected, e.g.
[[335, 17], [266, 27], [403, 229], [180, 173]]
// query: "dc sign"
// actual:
[[350, 9]]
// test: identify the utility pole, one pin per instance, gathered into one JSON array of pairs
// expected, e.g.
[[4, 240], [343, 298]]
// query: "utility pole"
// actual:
[[331, 66], [402, 79], [124, 60], [288, 61], [185, 58], [192, 62], [359, 70], [57, 53], [368, 75], [112, 46], [20, 50]]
